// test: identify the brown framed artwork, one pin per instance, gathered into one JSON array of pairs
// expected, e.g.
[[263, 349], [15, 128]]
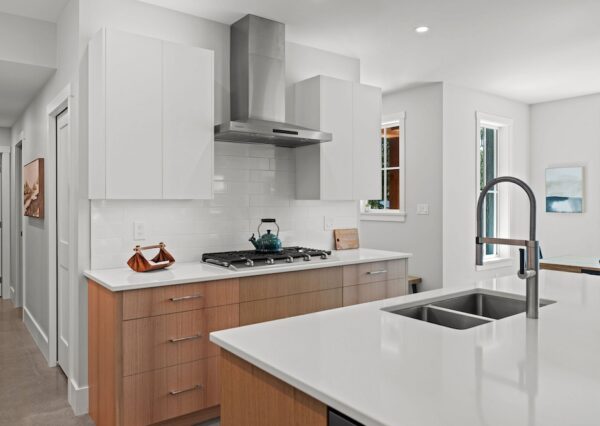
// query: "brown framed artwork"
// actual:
[[33, 188]]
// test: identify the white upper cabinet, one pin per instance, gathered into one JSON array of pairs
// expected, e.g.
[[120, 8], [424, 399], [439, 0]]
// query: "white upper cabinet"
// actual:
[[150, 118], [188, 122], [348, 167]]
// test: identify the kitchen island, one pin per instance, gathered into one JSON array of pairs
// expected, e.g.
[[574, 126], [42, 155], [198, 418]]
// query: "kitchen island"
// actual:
[[380, 368], [150, 358]]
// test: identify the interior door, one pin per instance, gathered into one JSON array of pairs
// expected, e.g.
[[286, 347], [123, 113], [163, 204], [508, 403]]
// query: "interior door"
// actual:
[[19, 223], [62, 236]]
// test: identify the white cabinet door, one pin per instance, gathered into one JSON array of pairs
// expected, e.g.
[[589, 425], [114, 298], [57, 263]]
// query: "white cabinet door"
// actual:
[[188, 123], [367, 142], [336, 156], [133, 116]]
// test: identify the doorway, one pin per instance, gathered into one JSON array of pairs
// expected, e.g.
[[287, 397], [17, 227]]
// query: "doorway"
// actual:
[[63, 180]]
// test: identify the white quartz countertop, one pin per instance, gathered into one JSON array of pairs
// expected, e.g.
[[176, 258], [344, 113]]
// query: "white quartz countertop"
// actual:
[[120, 279], [592, 263], [385, 369]]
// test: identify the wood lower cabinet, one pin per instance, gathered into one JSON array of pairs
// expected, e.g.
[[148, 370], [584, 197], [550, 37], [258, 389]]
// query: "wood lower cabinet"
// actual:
[[150, 358], [289, 306], [252, 397], [168, 393]]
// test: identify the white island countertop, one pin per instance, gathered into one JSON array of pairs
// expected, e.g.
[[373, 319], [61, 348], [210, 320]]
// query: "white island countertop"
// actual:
[[120, 279], [385, 369]]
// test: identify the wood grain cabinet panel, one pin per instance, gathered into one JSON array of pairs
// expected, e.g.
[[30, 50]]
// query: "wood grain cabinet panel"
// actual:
[[252, 397], [363, 293], [179, 298], [288, 283], [289, 306], [166, 340], [365, 273], [171, 392]]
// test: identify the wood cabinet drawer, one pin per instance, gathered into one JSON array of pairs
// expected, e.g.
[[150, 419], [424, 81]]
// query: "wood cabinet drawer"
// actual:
[[289, 306], [288, 283], [170, 392], [365, 273], [179, 298], [363, 293], [166, 340]]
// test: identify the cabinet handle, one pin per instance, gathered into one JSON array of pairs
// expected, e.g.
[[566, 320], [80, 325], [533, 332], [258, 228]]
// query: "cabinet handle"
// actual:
[[383, 271], [181, 339], [192, 296], [177, 392]]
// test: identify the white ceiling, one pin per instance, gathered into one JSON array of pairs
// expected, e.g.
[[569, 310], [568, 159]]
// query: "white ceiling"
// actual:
[[45, 10], [532, 51]]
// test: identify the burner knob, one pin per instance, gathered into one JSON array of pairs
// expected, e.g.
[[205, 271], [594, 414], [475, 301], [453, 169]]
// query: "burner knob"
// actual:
[[306, 257], [323, 255], [289, 259], [249, 262], [269, 261]]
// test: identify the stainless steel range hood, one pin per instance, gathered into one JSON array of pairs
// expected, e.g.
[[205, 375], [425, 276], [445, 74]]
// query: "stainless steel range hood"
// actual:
[[257, 83]]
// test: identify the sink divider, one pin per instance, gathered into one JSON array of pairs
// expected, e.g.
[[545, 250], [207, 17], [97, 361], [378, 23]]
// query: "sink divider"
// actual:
[[452, 311]]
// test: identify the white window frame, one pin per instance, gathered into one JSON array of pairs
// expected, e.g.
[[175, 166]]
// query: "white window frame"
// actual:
[[502, 258], [389, 215]]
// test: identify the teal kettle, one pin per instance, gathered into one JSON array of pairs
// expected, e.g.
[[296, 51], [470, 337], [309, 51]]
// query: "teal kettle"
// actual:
[[267, 243]]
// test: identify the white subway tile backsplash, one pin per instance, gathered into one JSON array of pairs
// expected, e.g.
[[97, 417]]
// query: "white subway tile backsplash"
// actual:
[[251, 182]]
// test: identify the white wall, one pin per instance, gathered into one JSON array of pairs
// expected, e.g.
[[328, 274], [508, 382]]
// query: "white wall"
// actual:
[[34, 126], [4, 136], [27, 41], [460, 178], [565, 133], [420, 235]]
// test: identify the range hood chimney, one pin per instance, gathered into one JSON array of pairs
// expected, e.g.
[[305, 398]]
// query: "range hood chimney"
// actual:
[[257, 83]]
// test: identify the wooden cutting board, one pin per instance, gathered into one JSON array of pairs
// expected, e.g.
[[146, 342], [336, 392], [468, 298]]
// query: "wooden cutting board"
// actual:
[[345, 238]]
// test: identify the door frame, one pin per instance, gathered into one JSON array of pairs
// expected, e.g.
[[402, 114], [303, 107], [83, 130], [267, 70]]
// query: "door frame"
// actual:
[[17, 208], [5, 219], [61, 102]]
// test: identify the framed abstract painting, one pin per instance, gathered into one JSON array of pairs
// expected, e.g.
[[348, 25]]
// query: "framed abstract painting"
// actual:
[[33, 189], [564, 190]]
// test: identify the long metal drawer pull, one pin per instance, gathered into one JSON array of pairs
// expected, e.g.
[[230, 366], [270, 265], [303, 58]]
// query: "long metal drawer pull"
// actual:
[[181, 339], [192, 296], [383, 271], [177, 392]]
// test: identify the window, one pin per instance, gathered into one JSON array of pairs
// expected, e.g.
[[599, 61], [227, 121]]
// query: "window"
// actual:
[[494, 136], [488, 170], [390, 206]]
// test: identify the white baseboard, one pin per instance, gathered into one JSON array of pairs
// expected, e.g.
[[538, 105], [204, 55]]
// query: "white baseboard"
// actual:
[[78, 398], [39, 337]]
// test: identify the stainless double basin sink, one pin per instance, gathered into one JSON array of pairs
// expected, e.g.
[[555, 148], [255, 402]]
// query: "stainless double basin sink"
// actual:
[[465, 310]]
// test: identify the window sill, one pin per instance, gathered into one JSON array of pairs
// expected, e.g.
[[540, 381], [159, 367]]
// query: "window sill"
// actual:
[[384, 216], [494, 263]]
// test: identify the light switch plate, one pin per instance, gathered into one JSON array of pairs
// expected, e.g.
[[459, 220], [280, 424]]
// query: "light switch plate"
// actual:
[[329, 223], [423, 209], [139, 230]]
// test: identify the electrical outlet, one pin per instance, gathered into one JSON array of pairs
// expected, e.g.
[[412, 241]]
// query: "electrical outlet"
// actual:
[[329, 223], [423, 209], [139, 230]]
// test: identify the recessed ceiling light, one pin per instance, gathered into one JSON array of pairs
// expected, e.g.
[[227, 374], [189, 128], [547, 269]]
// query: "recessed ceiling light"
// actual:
[[421, 30]]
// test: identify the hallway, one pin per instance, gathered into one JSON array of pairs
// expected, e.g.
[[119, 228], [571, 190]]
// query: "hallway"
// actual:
[[31, 393]]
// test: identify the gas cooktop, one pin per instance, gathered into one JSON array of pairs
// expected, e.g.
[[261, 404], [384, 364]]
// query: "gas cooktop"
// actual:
[[252, 258]]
